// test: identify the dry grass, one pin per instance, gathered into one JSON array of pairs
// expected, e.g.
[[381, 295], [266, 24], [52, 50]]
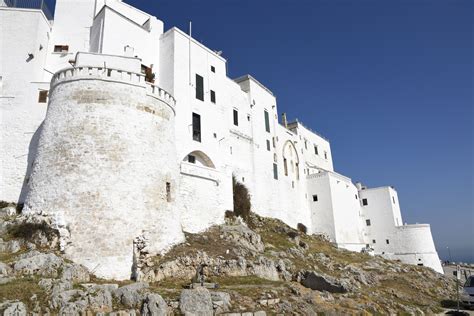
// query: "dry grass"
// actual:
[[23, 289]]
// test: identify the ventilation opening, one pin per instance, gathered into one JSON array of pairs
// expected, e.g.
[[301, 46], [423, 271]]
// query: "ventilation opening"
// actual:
[[168, 191]]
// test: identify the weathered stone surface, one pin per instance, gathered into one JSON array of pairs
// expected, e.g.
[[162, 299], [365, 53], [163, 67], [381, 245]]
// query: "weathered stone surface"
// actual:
[[99, 299], [154, 305], [13, 308], [131, 295], [75, 273], [45, 264], [243, 236], [130, 312], [196, 302], [319, 282], [12, 246], [5, 269], [221, 301]]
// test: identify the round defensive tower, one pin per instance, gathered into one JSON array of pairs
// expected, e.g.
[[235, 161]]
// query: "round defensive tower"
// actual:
[[105, 172]]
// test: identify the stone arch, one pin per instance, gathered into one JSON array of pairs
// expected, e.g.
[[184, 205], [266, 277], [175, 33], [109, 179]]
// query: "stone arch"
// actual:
[[200, 159]]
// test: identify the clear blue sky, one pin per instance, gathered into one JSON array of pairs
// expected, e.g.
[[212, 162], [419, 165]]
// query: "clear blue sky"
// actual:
[[390, 83]]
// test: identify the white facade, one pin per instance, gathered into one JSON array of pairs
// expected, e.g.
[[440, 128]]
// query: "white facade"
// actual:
[[157, 159]]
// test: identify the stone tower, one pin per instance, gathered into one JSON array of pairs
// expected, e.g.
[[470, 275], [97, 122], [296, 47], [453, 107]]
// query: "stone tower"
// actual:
[[106, 171]]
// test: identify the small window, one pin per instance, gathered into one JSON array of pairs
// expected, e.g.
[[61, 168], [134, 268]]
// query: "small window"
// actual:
[[243, 179], [168, 192], [373, 241], [420, 264], [43, 96], [61, 48], [213, 69], [191, 159], [197, 127], [213, 96], [236, 117], [293, 184], [393, 199], [367, 245], [305, 144], [275, 171], [231, 150], [274, 142], [267, 121], [268, 145], [387, 241], [365, 202], [325, 155], [297, 167], [285, 166], [356, 197], [316, 150], [215, 135], [199, 87], [315, 198], [367, 222], [248, 117]]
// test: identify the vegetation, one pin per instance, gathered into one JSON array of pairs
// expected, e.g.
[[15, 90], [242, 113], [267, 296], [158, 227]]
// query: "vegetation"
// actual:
[[28, 230], [242, 203]]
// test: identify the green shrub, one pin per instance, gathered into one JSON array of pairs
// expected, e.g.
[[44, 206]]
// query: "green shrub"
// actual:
[[242, 203], [28, 230]]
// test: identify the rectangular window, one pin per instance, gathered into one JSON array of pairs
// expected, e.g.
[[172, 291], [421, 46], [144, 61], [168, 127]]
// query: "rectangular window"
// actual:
[[213, 69], [297, 166], [316, 150], [365, 202], [199, 87], [387, 241], [61, 48], [191, 159], [315, 198], [268, 145], [168, 192], [373, 241], [236, 117], [273, 141], [285, 166], [325, 155], [356, 197], [213, 96], [393, 199], [267, 121], [367, 222], [275, 171], [196, 127], [43, 96], [305, 144]]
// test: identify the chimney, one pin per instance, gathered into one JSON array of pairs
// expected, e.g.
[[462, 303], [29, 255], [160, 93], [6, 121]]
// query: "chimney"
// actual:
[[283, 120]]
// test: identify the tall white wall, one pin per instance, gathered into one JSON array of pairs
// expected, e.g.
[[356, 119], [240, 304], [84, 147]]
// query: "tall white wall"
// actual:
[[21, 81]]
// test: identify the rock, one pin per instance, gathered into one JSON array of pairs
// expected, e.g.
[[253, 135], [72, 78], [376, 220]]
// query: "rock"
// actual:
[[99, 299], [244, 237], [319, 282], [260, 313], [130, 312], [7, 211], [154, 305], [75, 273], [220, 301], [196, 302], [45, 264], [5, 269], [130, 295], [11, 246], [15, 308]]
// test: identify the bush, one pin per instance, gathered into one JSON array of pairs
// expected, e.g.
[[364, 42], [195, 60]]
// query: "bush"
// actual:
[[292, 234], [302, 228], [242, 203], [229, 214], [28, 230]]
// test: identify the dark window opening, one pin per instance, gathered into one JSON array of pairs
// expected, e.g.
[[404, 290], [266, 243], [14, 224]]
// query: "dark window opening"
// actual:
[[191, 159], [420, 264], [365, 202], [393, 199], [61, 48], [197, 127], [199, 87], [213, 96], [275, 171], [367, 222], [43, 96], [373, 241], [285, 166], [325, 155], [168, 192], [236, 117], [268, 145], [387, 241], [213, 69], [316, 150], [315, 198], [356, 197], [297, 166], [267, 121]]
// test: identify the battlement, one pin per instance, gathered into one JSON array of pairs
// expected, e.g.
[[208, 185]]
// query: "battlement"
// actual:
[[112, 74]]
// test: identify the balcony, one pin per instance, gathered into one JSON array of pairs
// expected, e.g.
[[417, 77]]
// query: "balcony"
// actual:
[[28, 4]]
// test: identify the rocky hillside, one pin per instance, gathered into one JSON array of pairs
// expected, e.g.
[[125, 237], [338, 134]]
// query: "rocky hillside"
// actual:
[[264, 267]]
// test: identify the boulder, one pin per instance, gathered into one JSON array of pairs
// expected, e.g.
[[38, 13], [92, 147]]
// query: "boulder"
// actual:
[[15, 308], [5, 269], [154, 305], [244, 237], [196, 302], [221, 301], [12, 246], [34, 262], [75, 273], [315, 281], [99, 299], [131, 295]]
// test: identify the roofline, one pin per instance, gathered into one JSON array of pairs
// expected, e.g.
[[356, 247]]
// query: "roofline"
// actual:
[[249, 77]]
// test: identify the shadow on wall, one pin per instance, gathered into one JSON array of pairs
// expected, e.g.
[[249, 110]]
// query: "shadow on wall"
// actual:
[[32, 149]]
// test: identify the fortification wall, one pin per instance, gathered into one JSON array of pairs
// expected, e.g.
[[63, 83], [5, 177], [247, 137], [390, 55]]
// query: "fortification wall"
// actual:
[[106, 169]]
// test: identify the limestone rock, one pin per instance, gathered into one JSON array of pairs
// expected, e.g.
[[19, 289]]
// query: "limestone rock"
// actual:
[[154, 305], [75, 273], [243, 236], [15, 308], [131, 295], [5, 269], [12, 246], [34, 262], [220, 301], [315, 281], [196, 302]]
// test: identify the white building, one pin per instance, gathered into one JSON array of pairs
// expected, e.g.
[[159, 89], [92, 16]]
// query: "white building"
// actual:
[[143, 131]]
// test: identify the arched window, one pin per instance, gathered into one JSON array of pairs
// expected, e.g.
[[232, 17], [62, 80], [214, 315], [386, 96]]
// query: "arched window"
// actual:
[[199, 158], [290, 154]]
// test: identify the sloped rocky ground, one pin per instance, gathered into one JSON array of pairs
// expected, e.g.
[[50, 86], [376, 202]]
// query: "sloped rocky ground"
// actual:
[[268, 268]]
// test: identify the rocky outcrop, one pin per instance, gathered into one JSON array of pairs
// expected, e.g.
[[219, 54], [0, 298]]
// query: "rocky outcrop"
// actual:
[[319, 282], [196, 302]]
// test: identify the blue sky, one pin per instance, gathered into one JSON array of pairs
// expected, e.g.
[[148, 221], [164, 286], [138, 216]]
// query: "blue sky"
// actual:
[[390, 83]]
